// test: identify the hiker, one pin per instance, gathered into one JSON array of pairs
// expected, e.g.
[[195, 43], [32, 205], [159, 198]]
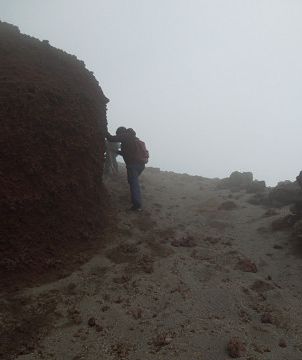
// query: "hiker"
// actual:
[[135, 156], [112, 151]]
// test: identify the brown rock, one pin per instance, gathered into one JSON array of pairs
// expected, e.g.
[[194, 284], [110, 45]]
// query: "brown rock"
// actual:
[[246, 265], [267, 318], [98, 328], [261, 286], [91, 322], [187, 241], [162, 340], [282, 343], [136, 313], [52, 128], [236, 348]]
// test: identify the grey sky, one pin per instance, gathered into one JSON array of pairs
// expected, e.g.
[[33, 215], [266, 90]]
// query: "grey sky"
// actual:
[[212, 86]]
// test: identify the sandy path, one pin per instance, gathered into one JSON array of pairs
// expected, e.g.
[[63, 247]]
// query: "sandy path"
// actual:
[[170, 282]]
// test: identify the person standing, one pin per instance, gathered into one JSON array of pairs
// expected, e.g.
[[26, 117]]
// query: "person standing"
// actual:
[[136, 156]]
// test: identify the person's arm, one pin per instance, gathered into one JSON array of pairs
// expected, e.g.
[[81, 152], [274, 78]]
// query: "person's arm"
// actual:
[[113, 138]]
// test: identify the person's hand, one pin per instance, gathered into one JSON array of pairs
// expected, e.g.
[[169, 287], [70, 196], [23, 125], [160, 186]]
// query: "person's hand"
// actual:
[[107, 135]]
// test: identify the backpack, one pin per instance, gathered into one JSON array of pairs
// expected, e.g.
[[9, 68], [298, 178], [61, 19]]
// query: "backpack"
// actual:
[[142, 154]]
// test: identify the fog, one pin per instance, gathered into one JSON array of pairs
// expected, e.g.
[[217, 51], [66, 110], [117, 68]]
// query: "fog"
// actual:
[[211, 86]]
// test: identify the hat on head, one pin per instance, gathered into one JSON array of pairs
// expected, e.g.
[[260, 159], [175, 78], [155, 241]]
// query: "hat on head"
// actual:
[[131, 132], [120, 130]]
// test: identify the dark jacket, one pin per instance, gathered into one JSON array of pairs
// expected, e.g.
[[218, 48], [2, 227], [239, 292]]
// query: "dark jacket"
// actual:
[[128, 147]]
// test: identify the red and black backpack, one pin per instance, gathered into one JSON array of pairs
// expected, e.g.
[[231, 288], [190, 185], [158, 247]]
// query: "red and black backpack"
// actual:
[[141, 152]]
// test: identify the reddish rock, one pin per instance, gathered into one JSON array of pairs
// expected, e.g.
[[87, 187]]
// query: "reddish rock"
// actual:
[[282, 343], [187, 241], [92, 322], [136, 313], [261, 286], [52, 127], [98, 328], [267, 318], [236, 348], [162, 340], [246, 265]]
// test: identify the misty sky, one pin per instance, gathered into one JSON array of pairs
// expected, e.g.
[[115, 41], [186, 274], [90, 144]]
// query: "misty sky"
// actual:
[[211, 86]]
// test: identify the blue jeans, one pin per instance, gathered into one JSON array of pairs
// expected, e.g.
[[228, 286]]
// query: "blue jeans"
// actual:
[[133, 173]]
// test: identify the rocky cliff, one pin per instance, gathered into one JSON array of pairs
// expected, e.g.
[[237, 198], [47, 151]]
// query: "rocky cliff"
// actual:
[[52, 121]]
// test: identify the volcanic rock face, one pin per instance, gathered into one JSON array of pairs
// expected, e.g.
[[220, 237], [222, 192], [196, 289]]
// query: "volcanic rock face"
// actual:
[[53, 121], [238, 181], [285, 193]]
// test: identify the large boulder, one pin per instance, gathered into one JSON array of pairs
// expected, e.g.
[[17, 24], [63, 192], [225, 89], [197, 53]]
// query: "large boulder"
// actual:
[[256, 187], [53, 121], [285, 193], [241, 179], [238, 181]]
